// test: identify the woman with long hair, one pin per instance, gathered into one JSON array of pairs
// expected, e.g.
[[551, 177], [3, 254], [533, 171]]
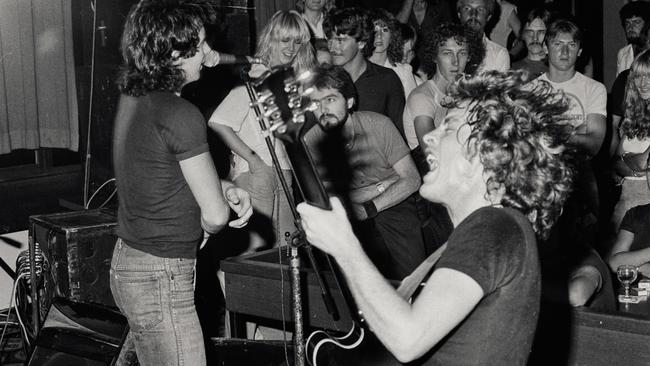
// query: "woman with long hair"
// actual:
[[389, 49], [313, 11], [631, 159], [284, 41]]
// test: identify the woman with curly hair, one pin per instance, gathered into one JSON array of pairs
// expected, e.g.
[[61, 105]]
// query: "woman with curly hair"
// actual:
[[451, 50], [389, 49], [313, 11], [498, 163], [284, 41], [634, 141]]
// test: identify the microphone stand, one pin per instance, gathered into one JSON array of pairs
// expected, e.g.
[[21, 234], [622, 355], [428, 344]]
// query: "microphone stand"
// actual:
[[296, 240]]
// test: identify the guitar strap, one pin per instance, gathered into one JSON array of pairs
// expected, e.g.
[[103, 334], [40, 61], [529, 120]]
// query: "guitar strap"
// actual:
[[411, 282]]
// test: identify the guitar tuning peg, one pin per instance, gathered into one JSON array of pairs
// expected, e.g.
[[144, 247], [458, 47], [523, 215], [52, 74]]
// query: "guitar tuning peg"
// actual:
[[314, 105], [308, 91], [304, 76]]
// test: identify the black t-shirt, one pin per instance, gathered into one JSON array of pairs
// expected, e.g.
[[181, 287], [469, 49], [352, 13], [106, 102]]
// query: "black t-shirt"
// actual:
[[380, 90], [637, 221], [497, 248], [157, 212], [617, 95]]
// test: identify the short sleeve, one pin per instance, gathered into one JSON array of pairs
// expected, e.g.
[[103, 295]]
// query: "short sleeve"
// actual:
[[419, 104], [597, 99], [233, 110], [485, 246], [393, 144], [184, 132], [629, 220]]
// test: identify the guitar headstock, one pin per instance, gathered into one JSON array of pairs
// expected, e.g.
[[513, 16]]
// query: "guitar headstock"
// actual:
[[281, 103], [282, 99]]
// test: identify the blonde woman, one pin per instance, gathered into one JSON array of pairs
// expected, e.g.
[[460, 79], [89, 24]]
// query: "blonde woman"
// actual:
[[284, 41]]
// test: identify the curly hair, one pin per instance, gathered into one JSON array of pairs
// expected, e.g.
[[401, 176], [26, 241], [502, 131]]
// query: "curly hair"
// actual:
[[636, 118], [395, 49], [153, 30], [287, 24], [520, 144], [329, 5], [353, 22], [462, 35]]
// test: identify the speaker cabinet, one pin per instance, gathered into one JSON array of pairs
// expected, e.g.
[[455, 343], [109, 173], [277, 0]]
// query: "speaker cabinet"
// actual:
[[76, 248], [79, 334]]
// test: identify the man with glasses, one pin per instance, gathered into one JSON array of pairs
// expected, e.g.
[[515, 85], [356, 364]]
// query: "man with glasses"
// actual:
[[475, 14]]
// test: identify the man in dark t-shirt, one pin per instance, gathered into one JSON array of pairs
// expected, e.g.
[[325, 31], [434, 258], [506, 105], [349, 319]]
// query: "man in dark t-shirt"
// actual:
[[481, 302], [167, 185], [351, 39], [633, 240]]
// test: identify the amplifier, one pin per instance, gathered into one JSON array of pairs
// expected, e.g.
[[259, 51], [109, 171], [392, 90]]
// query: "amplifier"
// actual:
[[76, 249]]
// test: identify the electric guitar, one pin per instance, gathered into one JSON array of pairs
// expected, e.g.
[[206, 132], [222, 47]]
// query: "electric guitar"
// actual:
[[280, 97]]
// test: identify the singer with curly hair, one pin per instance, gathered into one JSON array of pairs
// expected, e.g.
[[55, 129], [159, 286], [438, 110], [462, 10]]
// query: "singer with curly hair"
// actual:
[[498, 163]]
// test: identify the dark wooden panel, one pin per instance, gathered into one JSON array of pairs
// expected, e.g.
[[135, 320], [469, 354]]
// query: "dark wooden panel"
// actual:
[[258, 285]]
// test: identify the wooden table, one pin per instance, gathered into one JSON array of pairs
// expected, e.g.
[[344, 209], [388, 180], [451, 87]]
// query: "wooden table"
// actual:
[[259, 285]]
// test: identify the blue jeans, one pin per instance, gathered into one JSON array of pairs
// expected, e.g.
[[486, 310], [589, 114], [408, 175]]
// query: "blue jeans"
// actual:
[[157, 297], [268, 199]]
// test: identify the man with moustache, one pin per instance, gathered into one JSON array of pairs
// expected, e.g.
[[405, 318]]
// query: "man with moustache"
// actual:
[[351, 37], [475, 14], [634, 16], [533, 35], [382, 178]]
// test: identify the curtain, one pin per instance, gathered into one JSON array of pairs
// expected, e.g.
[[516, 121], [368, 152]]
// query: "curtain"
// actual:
[[38, 97]]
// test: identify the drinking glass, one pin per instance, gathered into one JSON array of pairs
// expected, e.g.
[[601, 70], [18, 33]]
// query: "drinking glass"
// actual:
[[626, 275]]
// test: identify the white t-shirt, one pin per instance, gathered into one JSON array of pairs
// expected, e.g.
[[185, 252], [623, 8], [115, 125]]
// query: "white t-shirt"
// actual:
[[586, 96], [425, 100], [406, 76], [496, 57], [236, 113], [624, 59], [502, 29]]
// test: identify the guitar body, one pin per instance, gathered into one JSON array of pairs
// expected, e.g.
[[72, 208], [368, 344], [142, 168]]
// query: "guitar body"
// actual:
[[355, 348]]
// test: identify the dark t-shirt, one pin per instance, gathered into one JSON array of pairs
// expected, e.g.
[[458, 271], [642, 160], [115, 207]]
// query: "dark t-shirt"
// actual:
[[157, 212], [497, 248], [637, 221], [380, 90], [617, 96], [534, 68]]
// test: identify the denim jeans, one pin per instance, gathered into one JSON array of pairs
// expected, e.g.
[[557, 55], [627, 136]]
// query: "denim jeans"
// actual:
[[268, 199], [157, 297]]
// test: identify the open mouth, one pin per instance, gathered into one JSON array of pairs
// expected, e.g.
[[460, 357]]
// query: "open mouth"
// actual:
[[432, 162]]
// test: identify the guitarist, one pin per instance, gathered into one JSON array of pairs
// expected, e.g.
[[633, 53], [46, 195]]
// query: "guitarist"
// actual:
[[499, 165], [383, 175]]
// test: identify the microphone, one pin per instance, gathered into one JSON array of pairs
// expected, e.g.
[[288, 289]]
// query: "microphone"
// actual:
[[214, 58]]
